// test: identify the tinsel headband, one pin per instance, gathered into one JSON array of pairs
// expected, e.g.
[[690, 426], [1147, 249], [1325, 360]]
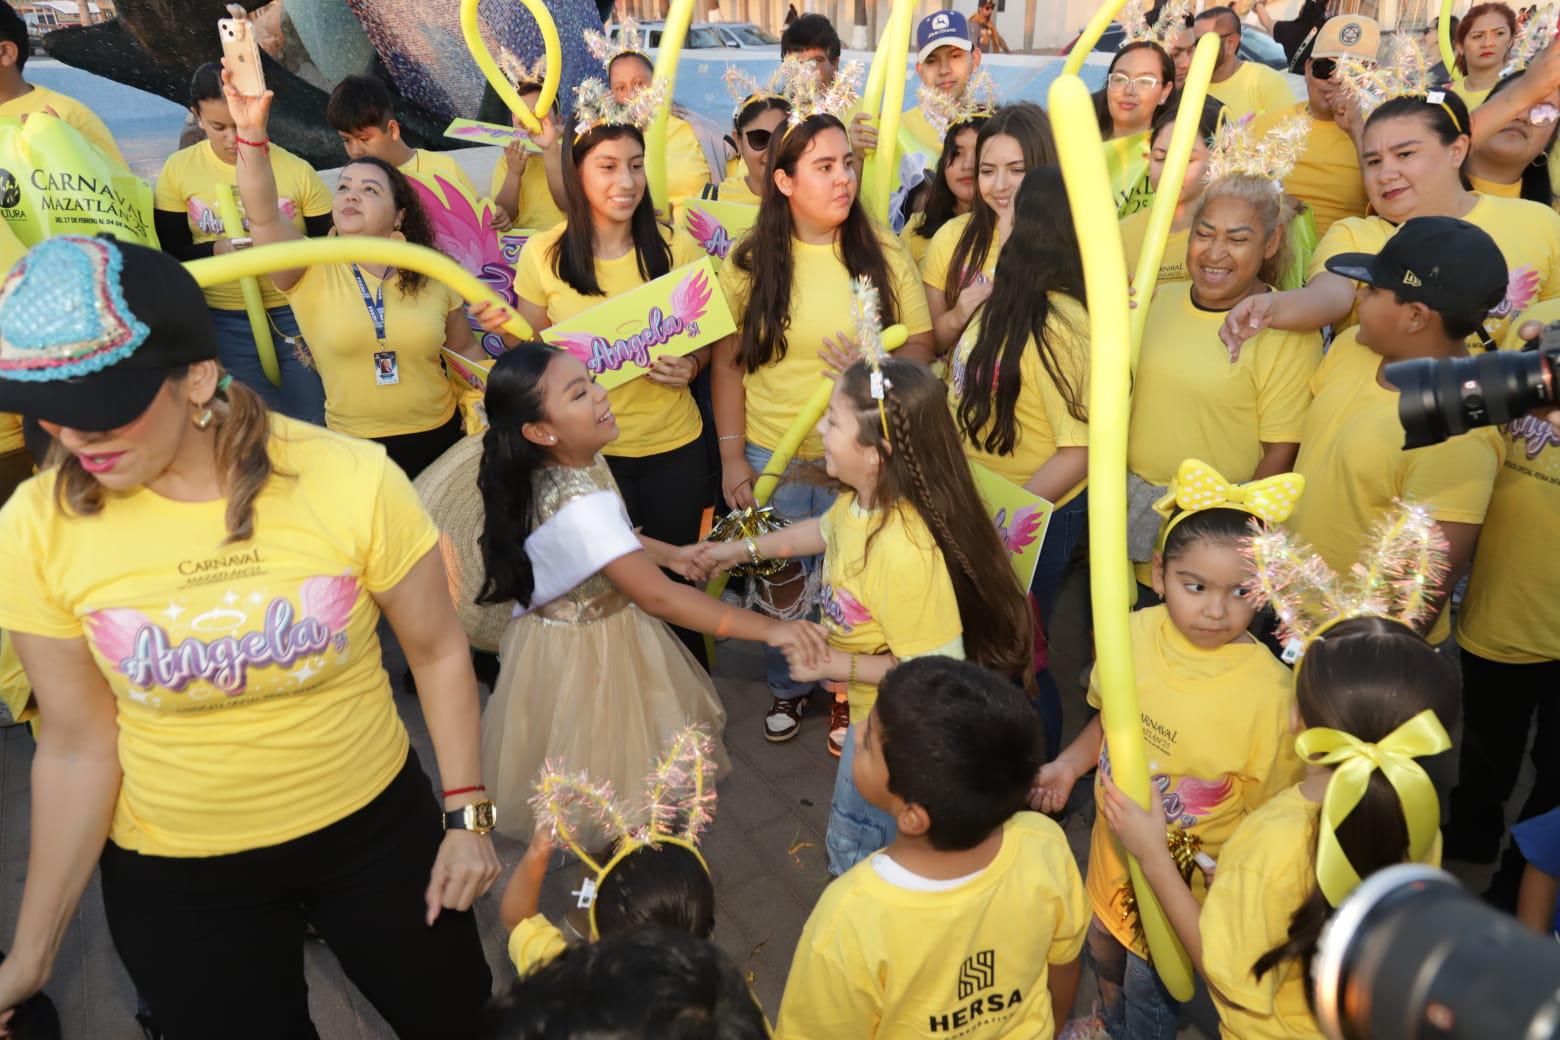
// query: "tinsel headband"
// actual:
[[1402, 69], [1397, 577], [801, 84], [1531, 39], [1136, 28], [1198, 487], [679, 804], [630, 40], [519, 72], [865, 312], [942, 111], [745, 89], [595, 106], [1238, 150]]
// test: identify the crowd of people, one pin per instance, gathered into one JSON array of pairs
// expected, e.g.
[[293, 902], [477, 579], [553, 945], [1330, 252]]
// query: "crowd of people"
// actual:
[[200, 564]]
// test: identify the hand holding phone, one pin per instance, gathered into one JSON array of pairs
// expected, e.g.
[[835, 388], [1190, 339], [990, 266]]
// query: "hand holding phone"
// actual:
[[242, 52]]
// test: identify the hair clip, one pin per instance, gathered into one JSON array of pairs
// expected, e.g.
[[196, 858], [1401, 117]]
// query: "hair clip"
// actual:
[[1198, 487], [594, 105], [866, 314], [679, 804]]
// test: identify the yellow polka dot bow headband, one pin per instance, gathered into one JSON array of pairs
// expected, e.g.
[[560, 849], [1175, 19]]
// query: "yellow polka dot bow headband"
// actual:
[[1198, 487], [1353, 762]]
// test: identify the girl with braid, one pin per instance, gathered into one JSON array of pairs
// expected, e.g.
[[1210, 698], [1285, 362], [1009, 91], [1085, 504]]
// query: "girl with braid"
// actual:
[[912, 565]]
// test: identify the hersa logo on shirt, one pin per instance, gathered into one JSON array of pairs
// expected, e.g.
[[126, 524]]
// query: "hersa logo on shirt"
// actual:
[[978, 997]]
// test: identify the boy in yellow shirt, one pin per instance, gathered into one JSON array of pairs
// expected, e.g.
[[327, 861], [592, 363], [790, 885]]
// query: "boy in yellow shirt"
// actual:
[[361, 112], [970, 922], [20, 98], [1245, 87], [1430, 287]]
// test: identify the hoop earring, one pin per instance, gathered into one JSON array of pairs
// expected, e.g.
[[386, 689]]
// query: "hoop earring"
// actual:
[[1540, 160], [203, 419]]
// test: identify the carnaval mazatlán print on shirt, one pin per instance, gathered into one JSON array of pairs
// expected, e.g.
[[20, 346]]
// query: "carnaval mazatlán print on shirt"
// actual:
[[215, 645]]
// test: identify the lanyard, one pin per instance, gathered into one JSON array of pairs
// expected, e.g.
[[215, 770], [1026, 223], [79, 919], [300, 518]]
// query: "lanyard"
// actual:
[[374, 304]]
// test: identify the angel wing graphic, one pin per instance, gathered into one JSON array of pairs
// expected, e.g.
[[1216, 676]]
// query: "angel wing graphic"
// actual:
[[1019, 533], [114, 632], [691, 298], [581, 344], [709, 233]]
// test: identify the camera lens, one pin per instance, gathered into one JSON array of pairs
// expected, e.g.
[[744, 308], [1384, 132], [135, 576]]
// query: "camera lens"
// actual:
[[1442, 398]]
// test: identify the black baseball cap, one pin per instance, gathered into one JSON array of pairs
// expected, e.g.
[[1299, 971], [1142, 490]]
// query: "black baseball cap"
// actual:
[[1449, 265], [91, 328]]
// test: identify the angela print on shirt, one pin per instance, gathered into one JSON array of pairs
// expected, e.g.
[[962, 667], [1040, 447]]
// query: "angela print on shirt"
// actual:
[[981, 1006]]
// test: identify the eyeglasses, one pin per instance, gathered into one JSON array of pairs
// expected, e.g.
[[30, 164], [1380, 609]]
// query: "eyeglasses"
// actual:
[[758, 140], [1323, 68], [1121, 82]]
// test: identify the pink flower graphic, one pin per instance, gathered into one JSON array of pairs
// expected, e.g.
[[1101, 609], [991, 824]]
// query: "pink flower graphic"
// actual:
[[114, 631]]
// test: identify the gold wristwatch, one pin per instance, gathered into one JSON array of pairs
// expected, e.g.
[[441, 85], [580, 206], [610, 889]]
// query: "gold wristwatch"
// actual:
[[478, 817]]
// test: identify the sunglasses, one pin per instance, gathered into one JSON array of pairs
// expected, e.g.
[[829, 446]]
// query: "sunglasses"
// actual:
[[1323, 68], [758, 140]]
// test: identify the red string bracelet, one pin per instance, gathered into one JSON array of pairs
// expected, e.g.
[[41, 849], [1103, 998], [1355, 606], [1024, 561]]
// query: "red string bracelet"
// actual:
[[464, 790], [264, 143]]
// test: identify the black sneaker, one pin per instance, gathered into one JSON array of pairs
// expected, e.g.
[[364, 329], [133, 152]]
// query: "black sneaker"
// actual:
[[785, 718]]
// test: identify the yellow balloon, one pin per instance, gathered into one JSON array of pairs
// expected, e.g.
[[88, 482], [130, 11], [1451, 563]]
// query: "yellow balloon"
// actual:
[[495, 76], [1443, 36], [1162, 213], [259, 323], [310, 252], [1105, 276], [882, 165], [667, 57], [1090, 36]]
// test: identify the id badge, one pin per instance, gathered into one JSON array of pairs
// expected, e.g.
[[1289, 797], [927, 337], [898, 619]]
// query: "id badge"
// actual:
[[387, 370]]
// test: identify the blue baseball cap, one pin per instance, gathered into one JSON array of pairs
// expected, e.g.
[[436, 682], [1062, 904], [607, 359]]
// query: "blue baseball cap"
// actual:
[[942, 29]]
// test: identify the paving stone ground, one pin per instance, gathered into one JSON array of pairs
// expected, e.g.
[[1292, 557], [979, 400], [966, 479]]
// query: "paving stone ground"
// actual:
[[765, 850]]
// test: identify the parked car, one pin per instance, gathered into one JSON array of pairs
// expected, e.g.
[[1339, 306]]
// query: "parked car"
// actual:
[[1255, 45], [742, 35]]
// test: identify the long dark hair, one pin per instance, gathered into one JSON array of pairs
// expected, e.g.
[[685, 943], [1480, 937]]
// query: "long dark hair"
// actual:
[[1166, 72], [1366, 677], [1040, 257], [573, 255], [509, 460], [764, 253], [923, 464], [414, 219], [941, 204], [1536, 186], [1464, 27], [1027, 124]]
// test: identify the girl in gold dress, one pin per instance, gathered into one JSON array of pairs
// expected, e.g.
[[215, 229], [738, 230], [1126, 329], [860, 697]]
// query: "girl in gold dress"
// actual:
[[590, 674]]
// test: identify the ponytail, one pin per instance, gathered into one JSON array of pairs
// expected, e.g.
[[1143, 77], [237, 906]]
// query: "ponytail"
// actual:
[[509, 461]]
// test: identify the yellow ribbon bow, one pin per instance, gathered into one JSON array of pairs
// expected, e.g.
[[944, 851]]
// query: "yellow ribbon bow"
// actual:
[[1198, 486], [1353, 762]]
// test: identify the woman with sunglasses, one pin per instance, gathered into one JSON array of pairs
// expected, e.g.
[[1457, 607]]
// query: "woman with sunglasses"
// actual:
[[962, 257], [756, 121], [1411, 155], [1514, 162], [788, 281], [1484, 38], [1137, 91], [610, 244], [952, 190]]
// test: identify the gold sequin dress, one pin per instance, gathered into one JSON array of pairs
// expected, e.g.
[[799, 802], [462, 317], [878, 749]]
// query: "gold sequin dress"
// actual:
[[587, 680]]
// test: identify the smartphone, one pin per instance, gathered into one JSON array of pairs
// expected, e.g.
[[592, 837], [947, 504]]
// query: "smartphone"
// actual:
[[242, 54]]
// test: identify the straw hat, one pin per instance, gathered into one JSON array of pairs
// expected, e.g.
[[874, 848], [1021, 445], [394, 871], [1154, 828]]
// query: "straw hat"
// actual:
[[449, 491]]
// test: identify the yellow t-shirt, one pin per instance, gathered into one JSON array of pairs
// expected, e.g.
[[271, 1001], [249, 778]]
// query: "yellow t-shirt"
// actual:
[[890, 596], [10, 433], [1040, 416], [188, 184], [1352, 458], [687, 170], [360, 398], [1527, 233], [428, 164], [1172, 264], [913, 121], [879, 959], [15, 690], [735, 189], [913, 241], [1232, 705], [1472, 98], [252, 699], [71, 111], [939, 254], [1253, 90], [538, 211], [652, 418], [1267, 870], [1501, 191], [1511, 612], [820, 307], [535, 942], [1327, 174]]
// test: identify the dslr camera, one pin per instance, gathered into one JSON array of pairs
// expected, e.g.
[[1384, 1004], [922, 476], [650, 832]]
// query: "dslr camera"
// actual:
[[1442, 398]]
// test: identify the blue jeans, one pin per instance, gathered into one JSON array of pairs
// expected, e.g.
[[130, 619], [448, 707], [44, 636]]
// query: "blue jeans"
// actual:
[[1134, 1003], [301, 395], [794, 500], [1061, 538], [857, 828]]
